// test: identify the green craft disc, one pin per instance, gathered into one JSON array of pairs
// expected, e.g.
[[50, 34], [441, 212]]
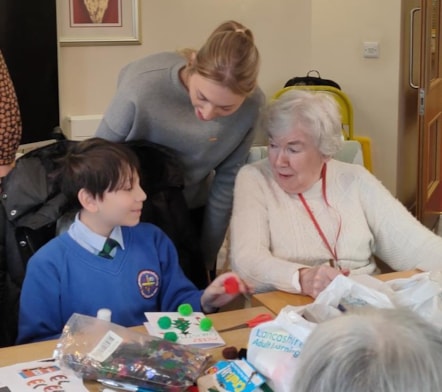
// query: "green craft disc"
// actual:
[[185, 309], [206, 324], [171, 336], [164, 322]]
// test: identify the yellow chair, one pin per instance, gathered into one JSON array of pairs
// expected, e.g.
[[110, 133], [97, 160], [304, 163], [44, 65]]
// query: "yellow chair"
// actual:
[[346, 110]]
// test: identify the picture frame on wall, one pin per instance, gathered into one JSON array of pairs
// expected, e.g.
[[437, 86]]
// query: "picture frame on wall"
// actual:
[[98, 22]]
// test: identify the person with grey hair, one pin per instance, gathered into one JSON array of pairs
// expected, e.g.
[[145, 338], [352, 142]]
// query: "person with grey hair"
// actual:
[[300, 217], [377, 350]]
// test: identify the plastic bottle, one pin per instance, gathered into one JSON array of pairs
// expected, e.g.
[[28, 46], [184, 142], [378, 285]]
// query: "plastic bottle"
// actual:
[[104, 314]]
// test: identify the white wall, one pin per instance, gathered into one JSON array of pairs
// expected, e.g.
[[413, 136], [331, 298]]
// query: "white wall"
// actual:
[[339, 28], [281, 27], [293, 36]]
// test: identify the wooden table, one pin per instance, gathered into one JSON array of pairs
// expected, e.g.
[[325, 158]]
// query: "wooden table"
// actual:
[[276, 300], [238, 338]]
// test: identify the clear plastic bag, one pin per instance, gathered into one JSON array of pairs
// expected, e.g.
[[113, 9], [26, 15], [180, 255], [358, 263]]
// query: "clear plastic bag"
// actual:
[[100, 350]]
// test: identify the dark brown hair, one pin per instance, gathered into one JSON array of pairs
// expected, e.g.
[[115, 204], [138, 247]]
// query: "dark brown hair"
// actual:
[[97, 165]]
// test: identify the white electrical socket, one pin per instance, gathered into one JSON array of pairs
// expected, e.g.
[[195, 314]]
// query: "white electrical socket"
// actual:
[[371, 49]]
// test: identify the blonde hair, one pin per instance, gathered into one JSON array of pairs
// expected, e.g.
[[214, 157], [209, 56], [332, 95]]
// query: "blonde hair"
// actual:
[[229, 57]]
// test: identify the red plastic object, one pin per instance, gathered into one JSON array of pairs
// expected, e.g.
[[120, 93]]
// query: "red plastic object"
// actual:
[[231, 285], [261, 318]]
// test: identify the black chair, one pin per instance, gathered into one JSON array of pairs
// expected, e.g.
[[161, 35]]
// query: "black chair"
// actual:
[[31, 203], [162, 179]]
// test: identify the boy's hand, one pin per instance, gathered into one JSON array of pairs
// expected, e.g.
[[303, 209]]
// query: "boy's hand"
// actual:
[[216, 294]]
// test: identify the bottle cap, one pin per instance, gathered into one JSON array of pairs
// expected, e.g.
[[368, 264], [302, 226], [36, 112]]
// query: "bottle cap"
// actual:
[[104, 314]]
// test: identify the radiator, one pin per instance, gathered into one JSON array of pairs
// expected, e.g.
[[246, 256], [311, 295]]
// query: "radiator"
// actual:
[[77, 128], [82, 127], [24, 148]]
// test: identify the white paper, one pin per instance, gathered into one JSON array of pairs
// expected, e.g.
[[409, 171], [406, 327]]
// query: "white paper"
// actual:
[[187, 329], [43, 375]]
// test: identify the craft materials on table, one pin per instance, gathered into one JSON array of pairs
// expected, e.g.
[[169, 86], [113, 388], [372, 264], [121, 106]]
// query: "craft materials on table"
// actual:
[[261, 318], [231, 285], [95, 349], [231, 376], [120, 386], [184, 327], [43, 375]]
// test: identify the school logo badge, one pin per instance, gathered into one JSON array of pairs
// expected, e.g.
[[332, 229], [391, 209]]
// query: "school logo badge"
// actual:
[[148, 283]]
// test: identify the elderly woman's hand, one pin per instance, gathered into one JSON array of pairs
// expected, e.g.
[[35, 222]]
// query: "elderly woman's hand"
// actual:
[[314, 280]]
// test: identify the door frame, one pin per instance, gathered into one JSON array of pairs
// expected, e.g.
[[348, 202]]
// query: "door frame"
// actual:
[[429, 182]]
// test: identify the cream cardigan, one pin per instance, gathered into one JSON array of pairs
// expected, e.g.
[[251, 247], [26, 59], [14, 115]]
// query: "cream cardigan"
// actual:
[[272, 235]]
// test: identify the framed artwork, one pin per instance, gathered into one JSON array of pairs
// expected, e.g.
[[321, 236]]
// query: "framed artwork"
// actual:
[[98, 22]]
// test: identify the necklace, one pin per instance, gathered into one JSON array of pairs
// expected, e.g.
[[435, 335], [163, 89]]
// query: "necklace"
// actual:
[[334, 260]]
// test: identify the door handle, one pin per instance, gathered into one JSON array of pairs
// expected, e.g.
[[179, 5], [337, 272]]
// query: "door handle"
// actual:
[[411, 52]]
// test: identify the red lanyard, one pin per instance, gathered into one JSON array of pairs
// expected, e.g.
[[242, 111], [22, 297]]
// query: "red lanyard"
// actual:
[[333, 262]]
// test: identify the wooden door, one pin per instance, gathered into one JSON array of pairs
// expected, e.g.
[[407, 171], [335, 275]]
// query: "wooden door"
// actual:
[[429, 190]]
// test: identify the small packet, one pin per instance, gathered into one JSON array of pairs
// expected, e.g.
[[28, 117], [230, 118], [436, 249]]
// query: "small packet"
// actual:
[[96, 349], [231, 376]]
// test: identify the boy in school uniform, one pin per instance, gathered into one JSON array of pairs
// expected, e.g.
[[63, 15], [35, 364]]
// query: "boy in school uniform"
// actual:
[[107, 258]]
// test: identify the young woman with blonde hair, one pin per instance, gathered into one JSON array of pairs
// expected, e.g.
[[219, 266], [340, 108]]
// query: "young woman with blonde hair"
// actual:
[[203, 104]]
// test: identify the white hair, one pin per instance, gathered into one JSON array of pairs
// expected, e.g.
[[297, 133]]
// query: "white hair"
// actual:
[[317, 112], [379, 350]]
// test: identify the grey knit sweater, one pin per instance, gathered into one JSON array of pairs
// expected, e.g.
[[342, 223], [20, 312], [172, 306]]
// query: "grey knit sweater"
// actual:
[[152, 104]]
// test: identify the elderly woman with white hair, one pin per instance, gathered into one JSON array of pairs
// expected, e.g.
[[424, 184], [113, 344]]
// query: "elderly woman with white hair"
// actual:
[[300, 217], [376, 350]]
